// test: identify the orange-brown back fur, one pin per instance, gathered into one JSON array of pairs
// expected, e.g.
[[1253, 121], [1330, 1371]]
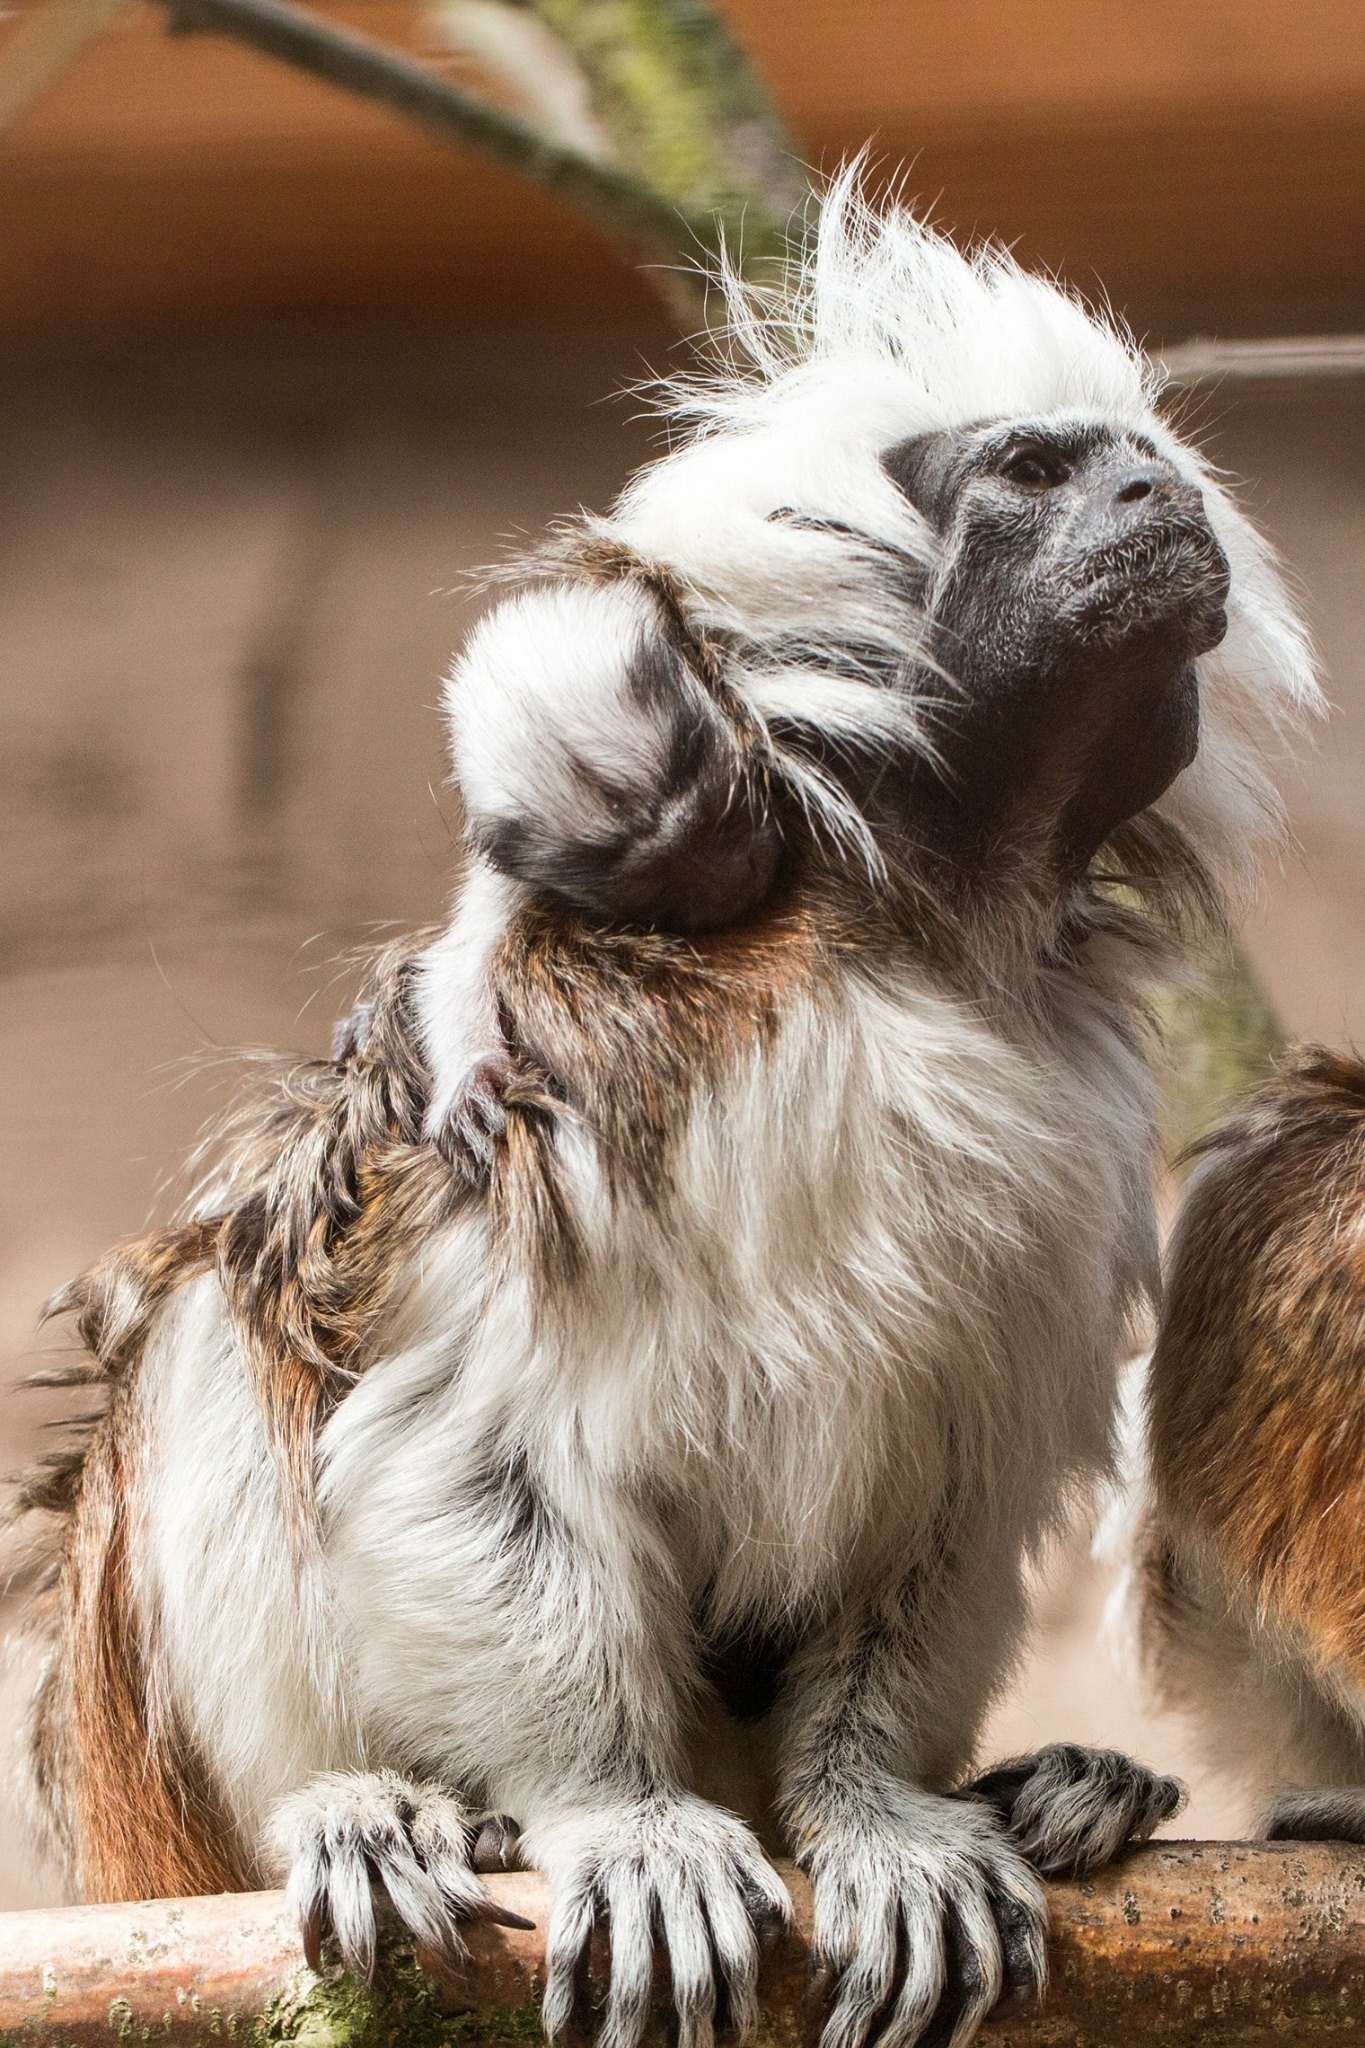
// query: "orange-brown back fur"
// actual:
[[1257, 1393]]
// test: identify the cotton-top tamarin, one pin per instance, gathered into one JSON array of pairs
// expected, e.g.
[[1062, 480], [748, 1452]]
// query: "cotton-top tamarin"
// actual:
[[623, 1391]]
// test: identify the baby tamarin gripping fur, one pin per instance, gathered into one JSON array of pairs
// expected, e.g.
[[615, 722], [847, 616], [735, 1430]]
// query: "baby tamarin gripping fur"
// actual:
[[1253, 1578], [695, 1290]]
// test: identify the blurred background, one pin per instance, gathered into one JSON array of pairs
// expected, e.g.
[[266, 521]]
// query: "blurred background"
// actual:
[[277, 370]]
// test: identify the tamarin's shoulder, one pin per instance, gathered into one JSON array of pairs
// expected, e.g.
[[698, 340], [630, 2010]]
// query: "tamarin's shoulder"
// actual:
[[1268, 1257], [1277, 1198], [1312, 1107]]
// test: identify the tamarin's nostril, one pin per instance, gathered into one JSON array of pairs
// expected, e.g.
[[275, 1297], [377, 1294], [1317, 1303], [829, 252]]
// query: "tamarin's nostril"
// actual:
[[1140, 484]]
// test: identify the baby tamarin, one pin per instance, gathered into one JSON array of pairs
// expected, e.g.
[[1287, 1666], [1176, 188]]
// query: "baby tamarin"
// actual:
[[696, 1290], [1253, 1578]]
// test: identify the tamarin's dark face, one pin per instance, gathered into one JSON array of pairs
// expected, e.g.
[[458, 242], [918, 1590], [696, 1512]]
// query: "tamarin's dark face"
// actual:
[[1079, 581]]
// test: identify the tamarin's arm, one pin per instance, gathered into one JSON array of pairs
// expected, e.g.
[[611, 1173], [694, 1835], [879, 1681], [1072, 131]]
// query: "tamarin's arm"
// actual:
[[924, 1907], [597, 766], [927, 1901]]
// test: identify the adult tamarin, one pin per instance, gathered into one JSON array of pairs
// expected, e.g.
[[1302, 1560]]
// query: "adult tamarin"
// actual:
[[1252, 1579], [695, 1291]]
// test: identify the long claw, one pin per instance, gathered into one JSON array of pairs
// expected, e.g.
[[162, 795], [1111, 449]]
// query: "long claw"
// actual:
[[354, 1841], [503, 1916], [310, 1927]]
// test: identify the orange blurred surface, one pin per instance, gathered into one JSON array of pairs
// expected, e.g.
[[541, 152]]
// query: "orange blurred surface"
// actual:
[[1170, 149]]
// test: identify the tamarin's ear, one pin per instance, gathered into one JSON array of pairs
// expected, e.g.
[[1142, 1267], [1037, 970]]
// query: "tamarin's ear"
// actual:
[[595, 765], [921, 469]]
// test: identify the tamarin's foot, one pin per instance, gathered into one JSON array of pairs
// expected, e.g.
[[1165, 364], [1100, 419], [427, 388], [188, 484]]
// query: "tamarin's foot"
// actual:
[[1070, 1809], [477, 1120], [352, 1839], [1330, 1813], [926, 1919], [498, 1845], [671, 1867]]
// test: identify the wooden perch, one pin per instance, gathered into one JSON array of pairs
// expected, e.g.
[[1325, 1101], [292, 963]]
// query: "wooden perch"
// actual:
[[1215, 1941]]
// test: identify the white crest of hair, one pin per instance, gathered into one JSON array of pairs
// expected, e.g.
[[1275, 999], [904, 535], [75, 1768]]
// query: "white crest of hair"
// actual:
[[777, 521], [876, 330]]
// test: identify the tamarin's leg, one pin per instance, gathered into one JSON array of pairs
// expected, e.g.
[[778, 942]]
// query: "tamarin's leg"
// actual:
[[925, 1911], [1070, 1809], [593, 1765], [540, 1655], [471, 1065]]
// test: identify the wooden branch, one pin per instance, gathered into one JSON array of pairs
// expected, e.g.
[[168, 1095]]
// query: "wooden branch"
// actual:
[[685, 108], [1280, 359], [626, 206], [1224, 1943]]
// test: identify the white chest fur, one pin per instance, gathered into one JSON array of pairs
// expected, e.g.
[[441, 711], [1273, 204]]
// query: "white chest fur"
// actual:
[[888, 1274]]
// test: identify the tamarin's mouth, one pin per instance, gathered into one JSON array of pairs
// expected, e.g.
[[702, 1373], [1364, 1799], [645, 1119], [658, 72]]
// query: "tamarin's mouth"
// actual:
[[1168, 578], [1174, 545]]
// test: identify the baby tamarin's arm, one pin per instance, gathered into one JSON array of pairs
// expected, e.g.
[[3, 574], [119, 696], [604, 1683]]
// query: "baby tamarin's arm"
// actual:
[[600, 767]]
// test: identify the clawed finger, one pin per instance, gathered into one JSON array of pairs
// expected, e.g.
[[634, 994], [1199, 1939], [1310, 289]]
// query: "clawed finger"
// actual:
[[737, 1938], [311, 1930], [1022, 1950], [566, 1956], [960, 2003], [868, 1978], [350, 1908], [692, 1968], [1167, 1798], [497, 1844], [632, 1959]]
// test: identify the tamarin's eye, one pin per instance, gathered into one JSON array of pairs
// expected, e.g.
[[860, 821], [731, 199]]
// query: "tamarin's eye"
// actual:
[[1035, 468]]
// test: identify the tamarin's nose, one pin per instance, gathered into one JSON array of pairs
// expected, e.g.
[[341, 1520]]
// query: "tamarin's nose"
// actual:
[[1125, 497]]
